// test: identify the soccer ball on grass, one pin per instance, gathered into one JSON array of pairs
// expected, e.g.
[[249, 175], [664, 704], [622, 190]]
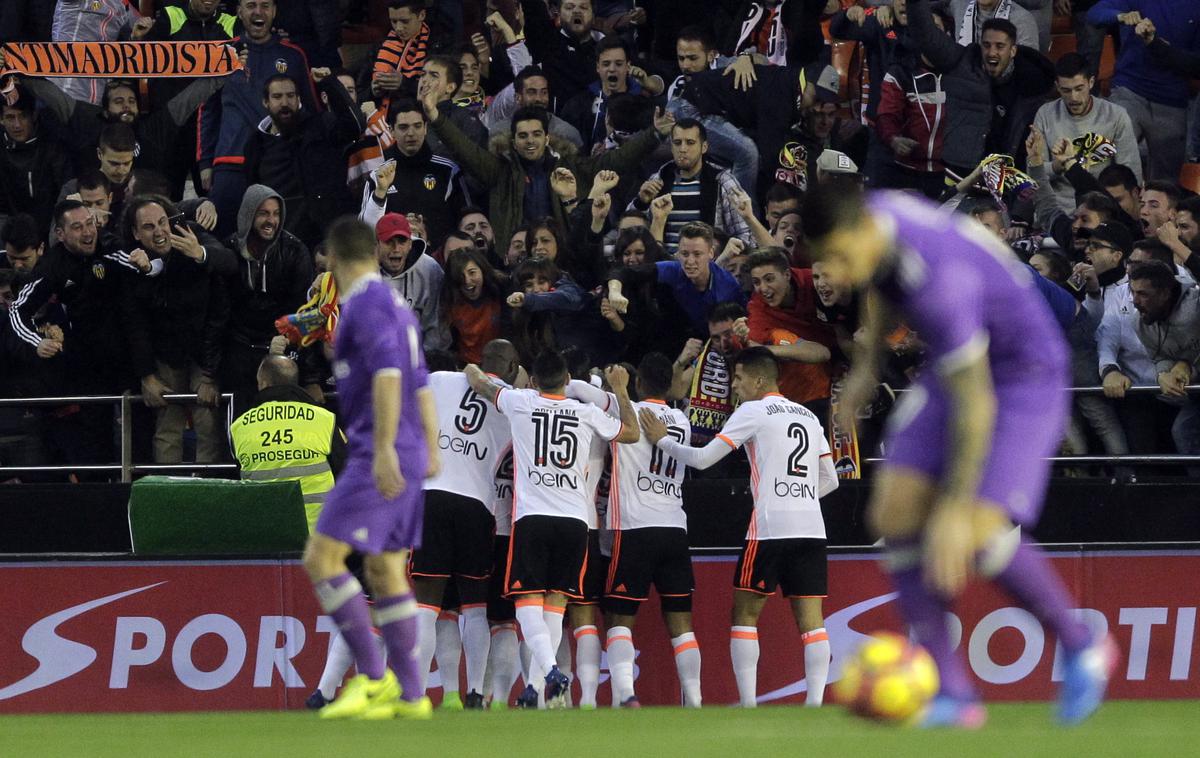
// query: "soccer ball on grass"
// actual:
[[888, 679]]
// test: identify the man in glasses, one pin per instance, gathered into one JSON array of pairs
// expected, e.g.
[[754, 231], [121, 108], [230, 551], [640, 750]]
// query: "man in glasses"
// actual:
[[1102, 272]]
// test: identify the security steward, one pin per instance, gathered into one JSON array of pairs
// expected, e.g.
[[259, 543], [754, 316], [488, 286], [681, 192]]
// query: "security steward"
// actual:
[[285, 436]]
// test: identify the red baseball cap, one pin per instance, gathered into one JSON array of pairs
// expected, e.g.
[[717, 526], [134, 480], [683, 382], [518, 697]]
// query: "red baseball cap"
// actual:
[[393, 225]]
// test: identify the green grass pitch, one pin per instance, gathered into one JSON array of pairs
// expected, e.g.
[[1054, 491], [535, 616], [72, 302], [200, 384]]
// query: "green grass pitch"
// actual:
[[1121, 728]]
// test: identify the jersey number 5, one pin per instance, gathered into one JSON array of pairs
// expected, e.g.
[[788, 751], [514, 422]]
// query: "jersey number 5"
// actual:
[[474, 411], [657, 455], [795, 464], [554, 440]]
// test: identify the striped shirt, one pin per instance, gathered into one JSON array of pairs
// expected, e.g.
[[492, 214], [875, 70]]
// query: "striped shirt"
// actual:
[[685, 195]]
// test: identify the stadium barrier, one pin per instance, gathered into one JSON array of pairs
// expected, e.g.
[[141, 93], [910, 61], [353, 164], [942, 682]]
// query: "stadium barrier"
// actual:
[[240, 635]]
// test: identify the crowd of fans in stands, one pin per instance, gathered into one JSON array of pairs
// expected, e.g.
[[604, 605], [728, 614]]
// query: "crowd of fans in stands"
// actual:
[[610, 177]]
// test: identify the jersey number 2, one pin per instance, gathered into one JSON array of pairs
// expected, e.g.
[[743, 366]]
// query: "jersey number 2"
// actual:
[[795, 464]]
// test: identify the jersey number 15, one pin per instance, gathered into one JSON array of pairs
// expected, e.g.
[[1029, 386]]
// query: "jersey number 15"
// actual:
[[554, 440]]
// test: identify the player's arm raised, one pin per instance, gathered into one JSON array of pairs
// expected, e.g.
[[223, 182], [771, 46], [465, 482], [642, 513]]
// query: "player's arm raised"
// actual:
[[696, 457], [618, 379], [483, 386], [385, 405], [950, 535]]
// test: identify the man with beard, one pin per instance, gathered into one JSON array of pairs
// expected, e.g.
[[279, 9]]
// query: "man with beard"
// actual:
[[567, 53], [228, 122], [174, 321], [413, 179], [474, 223], [274, 271], [156, 130], [1098, 130], [405, 266], [90, 357], [993, 87], [32, 163], [300, 154], [783, 317], [1170, 330]]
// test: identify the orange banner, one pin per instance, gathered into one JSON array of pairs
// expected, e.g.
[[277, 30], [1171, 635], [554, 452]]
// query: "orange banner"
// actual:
[[119, 60]]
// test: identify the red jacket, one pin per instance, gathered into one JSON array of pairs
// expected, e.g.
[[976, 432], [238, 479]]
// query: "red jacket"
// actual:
[[798, 382], [913, 104]]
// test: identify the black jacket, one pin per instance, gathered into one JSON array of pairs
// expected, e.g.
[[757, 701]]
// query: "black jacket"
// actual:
[[427, 184], [88, 288], [178, 316], [971, 95], [882, 46], [310, 161], [801, 24], [264, 289], [569, 65], [31, 174]]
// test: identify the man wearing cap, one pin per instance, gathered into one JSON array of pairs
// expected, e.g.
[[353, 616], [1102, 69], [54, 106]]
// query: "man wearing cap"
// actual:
[[404, 264], [753, 98], [833, 163], [699, 190], [1103, 270]]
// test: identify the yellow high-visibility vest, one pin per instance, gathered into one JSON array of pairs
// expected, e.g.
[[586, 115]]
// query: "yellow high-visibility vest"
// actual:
[[287, 440]]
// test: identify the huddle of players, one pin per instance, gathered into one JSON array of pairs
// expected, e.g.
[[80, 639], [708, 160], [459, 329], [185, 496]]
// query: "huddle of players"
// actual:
[[514, 521]]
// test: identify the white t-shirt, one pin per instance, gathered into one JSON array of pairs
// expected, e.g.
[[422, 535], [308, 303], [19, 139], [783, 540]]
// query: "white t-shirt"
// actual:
[[649, 481], [552, 437], [790, 465], [472, 438]]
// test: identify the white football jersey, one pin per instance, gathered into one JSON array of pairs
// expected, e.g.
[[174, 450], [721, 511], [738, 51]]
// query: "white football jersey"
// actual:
[[648, 482], [552, 438], [472, 438], [502, 504]]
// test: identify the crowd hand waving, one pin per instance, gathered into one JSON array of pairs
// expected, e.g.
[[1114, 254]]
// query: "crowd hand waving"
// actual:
[[384, 176], [1035, 148], [662, 206], [564, 184], [741, 200], [141, 260], [185, 241], [482, 51], [1061, 154], [1132, 18], [743, 73], [1145, 30], [153, 390], [502, 27], [141, 27], [617, 377], [516, 300], [691, 351], [429, 98], [601, 204], [883, 14], [604, 182], [206, 215], [650, 189], [417, 222], [741, 329], [664, 121]]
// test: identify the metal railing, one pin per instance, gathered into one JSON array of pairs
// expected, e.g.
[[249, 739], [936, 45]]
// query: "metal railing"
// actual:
[[128, 468]]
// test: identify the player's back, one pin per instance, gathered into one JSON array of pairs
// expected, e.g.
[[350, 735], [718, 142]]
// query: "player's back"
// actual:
[[551, 436], [647, 486], [472, 437], [378, 333], [784, 442], [963, 290]]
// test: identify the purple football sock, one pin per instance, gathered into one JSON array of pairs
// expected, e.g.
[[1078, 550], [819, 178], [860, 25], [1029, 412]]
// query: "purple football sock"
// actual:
[[397, 618], [1034, 582], [343, 599], [925, 613]]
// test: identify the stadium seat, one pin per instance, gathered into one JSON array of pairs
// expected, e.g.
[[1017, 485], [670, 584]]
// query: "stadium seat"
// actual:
[[1189, 177]]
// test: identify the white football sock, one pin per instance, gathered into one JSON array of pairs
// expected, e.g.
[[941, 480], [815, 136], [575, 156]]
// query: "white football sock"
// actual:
[[504, 661], [816, 665], [537, 638], [621, 653], [587, 663], [743, 650], [426, 640], [526, 661], [554, 626], [687, 664], [448, 652], [476, 639], [337, 663]]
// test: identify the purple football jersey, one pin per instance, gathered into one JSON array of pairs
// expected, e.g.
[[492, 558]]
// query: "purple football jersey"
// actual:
[[377, 332], [964, 292]]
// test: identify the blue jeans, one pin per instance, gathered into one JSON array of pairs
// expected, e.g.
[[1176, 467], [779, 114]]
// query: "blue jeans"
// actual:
[[1186, 431], [726, 142]]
